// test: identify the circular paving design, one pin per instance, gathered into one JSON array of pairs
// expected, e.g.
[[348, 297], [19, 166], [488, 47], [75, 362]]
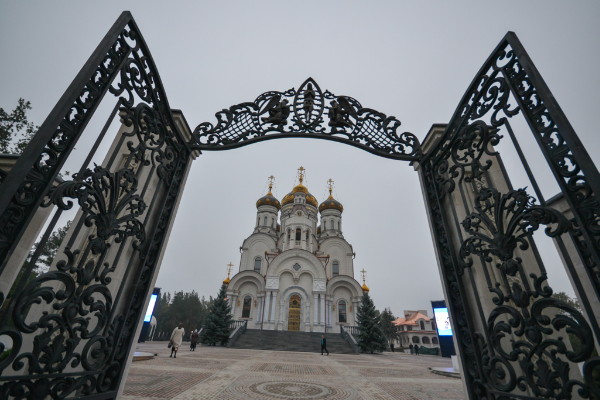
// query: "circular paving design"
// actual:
[[295, 390]]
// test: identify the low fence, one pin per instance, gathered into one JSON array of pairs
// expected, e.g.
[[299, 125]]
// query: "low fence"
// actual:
[[165, 336]]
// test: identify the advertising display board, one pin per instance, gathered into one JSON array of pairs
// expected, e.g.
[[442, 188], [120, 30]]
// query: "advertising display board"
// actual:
[[150, 309], [442, 321], [148, 316], [444, 327]]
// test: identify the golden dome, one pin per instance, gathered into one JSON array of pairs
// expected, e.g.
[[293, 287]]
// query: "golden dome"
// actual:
[[226, 281], [300, 188], [364, 287], [331, 204], [289, 198], [268, 200]]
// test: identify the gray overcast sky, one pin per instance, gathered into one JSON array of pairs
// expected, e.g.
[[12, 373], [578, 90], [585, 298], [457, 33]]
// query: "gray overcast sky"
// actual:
[[412, 60]]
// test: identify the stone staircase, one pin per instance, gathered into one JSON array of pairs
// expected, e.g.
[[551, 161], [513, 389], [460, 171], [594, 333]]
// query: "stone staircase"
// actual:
[[291, 341]]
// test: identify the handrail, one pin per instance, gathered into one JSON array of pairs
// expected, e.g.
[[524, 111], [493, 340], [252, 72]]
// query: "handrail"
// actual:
[[240, 328], [348, 333]]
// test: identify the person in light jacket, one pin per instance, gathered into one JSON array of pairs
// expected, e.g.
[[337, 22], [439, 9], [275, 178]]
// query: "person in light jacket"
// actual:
[[176, 339]]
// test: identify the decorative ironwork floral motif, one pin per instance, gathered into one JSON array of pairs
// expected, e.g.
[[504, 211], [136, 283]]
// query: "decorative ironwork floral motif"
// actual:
[[530, 340], [526, 325], [109, 202], [308, 112], [72, 327], [501, 223]]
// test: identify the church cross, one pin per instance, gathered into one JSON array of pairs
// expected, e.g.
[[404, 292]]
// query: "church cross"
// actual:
[[330, 185], [229, 267], [271, 180], [364, 274], [301, 174]]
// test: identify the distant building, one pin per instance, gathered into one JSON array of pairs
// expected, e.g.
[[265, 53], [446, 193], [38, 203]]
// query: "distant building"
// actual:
[[416, 328], [296, 270]]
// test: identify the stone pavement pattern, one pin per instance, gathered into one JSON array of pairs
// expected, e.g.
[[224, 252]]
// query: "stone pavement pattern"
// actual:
[[239, 374]]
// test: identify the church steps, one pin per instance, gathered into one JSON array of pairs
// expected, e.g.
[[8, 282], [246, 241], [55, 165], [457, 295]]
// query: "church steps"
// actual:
[[291, 341]]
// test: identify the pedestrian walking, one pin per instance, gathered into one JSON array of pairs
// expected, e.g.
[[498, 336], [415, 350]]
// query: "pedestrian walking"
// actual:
[[392, 346], [411, 348], [324, 345], [194, 340], [176, 339], [416, 349]]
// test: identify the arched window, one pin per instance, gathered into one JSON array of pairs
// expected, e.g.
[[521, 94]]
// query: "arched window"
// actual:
[[434, 340], [330, 224], [422, 325], [335, 269], [298, 234], [307, 236], [415, 339], [257, 264], [247, 306], [425, 340], [342, 311], [339, 229], [265, 221]]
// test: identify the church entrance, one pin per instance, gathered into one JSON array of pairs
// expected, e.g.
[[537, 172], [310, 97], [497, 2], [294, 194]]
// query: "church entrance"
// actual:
[[294, 313], [115, 213]]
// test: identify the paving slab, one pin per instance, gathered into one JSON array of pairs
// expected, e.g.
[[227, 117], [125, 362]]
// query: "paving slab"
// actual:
[[222, 373]]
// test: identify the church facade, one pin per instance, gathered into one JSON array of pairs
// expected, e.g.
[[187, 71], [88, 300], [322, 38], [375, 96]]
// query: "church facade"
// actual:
[[296, 270]]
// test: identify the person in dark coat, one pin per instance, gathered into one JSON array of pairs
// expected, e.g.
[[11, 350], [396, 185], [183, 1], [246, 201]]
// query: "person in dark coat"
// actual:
[[416, 349], [194, 340], [392, 346], [411, 348], [324, 345]]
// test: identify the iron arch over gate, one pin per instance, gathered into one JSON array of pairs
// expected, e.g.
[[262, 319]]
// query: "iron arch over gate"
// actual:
[[71, 329], [308, 112]]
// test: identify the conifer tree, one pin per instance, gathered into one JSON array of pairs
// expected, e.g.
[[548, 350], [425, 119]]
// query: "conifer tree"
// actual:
[[370, 335], [387, 325], [216, 324]]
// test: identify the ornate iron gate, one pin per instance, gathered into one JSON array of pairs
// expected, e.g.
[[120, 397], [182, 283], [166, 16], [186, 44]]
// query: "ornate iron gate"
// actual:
[[72, 327], [514, 338]]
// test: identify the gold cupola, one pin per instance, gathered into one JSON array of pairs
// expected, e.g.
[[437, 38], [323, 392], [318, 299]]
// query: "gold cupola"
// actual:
[[228, 279], [364, 286], [269, 199], [300, 188], [331, 203]]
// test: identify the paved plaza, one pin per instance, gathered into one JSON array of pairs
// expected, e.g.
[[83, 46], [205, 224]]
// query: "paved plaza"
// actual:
[[227, 374]]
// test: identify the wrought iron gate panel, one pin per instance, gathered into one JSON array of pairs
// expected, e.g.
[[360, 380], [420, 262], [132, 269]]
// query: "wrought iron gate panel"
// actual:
[[73, 326], [513, 339], [310, 113]]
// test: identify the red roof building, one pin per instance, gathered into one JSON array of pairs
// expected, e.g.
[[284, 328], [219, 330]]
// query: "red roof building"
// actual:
[[416, 328]]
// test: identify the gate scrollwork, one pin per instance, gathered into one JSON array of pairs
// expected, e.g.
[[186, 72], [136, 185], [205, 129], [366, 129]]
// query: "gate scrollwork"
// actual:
[[308, 112], [71, 327], [109, 201], [516, 339]]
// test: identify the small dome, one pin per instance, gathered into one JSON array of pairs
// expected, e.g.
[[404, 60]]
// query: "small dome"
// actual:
[[289, 198], [268, 200], [331, 204], [226, 281], [364, 287]]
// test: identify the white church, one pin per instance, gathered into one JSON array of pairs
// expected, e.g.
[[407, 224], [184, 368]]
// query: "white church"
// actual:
[[296, 270]]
